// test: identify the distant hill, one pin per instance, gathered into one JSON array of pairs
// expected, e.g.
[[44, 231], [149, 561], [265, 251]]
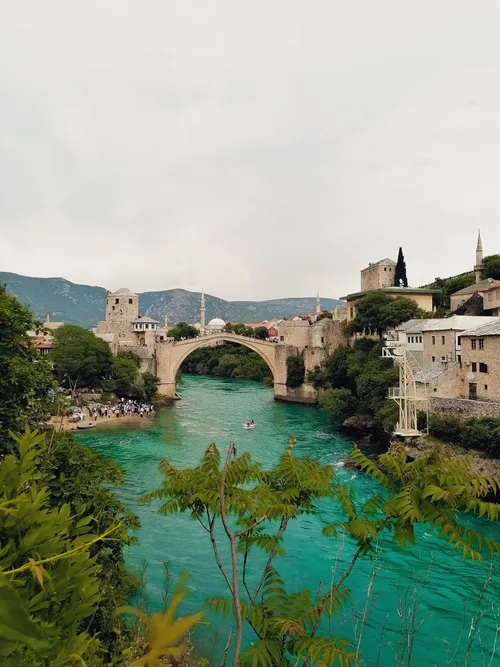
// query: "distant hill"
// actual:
[[85, 305]]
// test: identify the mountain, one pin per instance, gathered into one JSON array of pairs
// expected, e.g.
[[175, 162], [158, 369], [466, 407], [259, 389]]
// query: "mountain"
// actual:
[[85, 305]]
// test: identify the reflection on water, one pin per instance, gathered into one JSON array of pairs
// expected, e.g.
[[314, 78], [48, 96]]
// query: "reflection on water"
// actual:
[[214, 410]]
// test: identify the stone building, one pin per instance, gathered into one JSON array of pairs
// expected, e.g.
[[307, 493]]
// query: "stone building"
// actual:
[[480, 369], [378, 274], [124, 330], [442, 337]]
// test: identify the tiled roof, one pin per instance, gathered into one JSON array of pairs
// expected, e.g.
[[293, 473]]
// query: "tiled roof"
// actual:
[[476, 287], [492, 328], [146, 319], [429, 372]]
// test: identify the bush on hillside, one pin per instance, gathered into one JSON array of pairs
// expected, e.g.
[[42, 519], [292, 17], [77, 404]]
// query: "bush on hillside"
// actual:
[[295, 371]]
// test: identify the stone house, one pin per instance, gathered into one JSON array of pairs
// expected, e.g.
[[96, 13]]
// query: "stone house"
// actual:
[[441, 337], [457, 299], [480, 368], [491, 299]]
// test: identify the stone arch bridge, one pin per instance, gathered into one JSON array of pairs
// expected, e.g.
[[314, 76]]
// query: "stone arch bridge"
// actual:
[[170, 354]]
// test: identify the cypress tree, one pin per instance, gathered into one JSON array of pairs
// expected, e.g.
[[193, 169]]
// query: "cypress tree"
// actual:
[[400, 273]]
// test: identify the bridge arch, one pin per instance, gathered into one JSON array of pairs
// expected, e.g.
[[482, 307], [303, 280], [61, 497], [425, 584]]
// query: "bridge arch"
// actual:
[[171, 354]]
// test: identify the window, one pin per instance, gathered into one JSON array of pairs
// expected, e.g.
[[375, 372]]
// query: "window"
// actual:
[[483, 368], [282, 338], [473, 344], [433, 358], [485, 387], [420, 339], [385, 268], [322, 339], [490, 296], [459, 359], [112, 307], [434, 340], [131, 301], [474, 367], [443, 340], [117, 300], [147, 326], [481, 343], [459, 341], [498, 293]]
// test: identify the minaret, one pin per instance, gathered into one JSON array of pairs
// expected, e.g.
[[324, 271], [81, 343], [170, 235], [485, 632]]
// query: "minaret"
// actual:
[[479, 266], [166, 321], [318, 304], [202, 314]]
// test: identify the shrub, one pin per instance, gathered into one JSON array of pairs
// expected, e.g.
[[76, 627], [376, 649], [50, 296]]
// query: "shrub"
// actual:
[[295, 371], [337, 403], [446, 427]]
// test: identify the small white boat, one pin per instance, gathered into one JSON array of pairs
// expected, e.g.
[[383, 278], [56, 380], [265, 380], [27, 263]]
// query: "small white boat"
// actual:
[[248, 425], [84, 427]]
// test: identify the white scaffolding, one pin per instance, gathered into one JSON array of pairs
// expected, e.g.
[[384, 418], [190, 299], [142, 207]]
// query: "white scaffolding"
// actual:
[[405, 395]]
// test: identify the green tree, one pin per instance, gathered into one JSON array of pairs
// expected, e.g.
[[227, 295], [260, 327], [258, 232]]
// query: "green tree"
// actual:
[[251, 509], [378, 311], [227, 364], [260, 333], [126, 375], [25, 376], [400, 278], [295, 371], [50, 585], [182, 331], [338, 403], [79, 357], [491, 267], [150, 385]]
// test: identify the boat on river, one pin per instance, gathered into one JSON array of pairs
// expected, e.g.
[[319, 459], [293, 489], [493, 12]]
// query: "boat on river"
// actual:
[[249, 425], [84, 427]]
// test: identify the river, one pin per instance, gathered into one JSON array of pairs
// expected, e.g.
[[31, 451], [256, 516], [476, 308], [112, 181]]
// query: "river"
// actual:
[[213, 410]]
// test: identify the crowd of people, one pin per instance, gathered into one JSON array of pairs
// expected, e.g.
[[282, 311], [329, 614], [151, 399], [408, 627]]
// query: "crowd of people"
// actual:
[[124, 408]]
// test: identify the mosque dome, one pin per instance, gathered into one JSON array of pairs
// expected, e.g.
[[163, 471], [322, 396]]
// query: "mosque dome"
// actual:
[[216, 323]]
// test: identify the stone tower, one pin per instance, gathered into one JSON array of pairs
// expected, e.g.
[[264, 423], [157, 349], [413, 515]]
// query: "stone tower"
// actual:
[[122, 308], [318, 304], [479, 266], [202, 314]]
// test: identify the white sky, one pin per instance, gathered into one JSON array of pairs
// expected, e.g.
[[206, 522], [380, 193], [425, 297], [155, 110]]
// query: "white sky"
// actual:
[[256, 149]]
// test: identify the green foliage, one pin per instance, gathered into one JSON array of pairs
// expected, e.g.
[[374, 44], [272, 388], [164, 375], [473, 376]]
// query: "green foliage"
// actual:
[[454, 284], [400, 278], [228, 360], [25, 376], [481, 433], [378, 311], [295, 371], [360, 379], [338, 403], [318, 377], [261, 333], [79, 357], [431, 490], [125, 375], [48, 568], [261, 504], [491, 267], [150, 385], [182, 331]]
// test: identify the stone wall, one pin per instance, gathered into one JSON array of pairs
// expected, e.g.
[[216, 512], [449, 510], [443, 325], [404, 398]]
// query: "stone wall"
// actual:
[[433, 351], [463, 407], [306, 393], [378, 275]]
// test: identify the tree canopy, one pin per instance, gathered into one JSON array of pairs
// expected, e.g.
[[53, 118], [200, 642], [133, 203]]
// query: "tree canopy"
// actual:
[[183, 330], [400, 278], [80, 357], [491, 267], [377, 311], [25, 376], [295, 371]]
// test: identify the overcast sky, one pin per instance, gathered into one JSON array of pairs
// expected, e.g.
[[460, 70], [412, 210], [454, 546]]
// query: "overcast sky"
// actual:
[[257, 149]]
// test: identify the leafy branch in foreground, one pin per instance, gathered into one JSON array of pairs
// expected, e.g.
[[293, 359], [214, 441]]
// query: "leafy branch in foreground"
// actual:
[[431, 490], [255, 507]]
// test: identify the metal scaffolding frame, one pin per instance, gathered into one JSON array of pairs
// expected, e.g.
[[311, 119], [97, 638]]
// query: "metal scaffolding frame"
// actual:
[[406, 394]]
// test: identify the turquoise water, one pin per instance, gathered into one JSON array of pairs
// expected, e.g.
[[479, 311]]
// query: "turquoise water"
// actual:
[[213, 410]]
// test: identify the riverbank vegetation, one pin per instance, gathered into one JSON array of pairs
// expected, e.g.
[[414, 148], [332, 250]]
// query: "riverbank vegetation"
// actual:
[[354, 383], [228, 360], [80, 359], [478, 433]]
